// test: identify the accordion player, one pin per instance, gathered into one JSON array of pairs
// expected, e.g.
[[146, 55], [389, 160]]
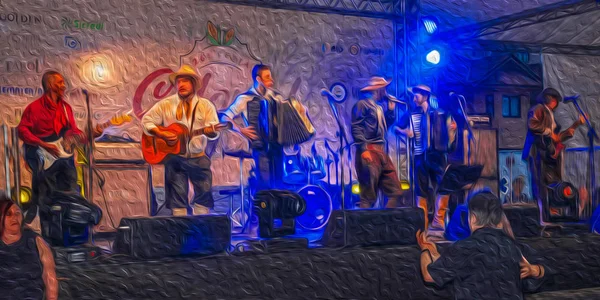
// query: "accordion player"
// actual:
[[279, 121]]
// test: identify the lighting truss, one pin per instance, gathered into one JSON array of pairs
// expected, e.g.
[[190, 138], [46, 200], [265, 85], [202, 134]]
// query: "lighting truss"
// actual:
[[542, 14], [386, 9], [548, 48]]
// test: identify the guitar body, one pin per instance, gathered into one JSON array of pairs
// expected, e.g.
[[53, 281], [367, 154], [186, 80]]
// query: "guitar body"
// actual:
[[155, 149], [49, 159]]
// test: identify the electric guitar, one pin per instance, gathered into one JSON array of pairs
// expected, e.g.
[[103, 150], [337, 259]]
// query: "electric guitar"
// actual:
[[155, 149], [559, 146], [66, 146]]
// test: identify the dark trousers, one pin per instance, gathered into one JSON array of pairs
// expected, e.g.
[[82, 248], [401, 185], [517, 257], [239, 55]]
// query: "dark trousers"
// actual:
[[429, 170], [379, 174], [61, 177], [178, 172], [268, 168], [543, 173]]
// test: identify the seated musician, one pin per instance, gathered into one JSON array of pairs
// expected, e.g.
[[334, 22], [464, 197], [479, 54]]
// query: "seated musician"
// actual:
[[44, 121], [374, 168], [267, 154], [193, 166]]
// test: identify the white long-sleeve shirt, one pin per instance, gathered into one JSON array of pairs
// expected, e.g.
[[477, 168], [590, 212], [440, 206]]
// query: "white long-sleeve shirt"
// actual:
[[164, 113]]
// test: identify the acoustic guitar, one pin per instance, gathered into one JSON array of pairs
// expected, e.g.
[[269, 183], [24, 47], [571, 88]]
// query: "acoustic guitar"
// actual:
[[155, 149], [67, 146]]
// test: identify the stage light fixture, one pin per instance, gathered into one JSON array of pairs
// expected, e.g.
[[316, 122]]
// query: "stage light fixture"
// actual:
[[405, 185], [433, 57], [24, 195], [430, 24], [277, 211], [355, 189], [562, 203]]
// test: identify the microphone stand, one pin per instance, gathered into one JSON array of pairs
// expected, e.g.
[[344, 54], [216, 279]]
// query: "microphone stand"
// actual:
[[343, 139], [591, 136], [89, 153], [469, 129]]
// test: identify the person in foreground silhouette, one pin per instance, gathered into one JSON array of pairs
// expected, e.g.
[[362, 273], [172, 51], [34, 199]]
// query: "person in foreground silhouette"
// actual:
[[488, 264], [26, 261]]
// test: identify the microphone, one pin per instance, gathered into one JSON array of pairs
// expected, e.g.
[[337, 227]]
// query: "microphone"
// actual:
[[394, 99], [571, 98]]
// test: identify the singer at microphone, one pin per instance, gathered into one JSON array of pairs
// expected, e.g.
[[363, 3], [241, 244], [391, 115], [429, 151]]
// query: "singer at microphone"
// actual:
[[370, 120]]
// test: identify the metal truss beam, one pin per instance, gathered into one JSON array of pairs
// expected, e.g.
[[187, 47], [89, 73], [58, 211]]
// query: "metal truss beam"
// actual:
[[384, 9], [548, 48], [538, 15]]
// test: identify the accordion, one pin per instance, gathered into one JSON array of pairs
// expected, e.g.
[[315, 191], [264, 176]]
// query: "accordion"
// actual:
[[278, 121]]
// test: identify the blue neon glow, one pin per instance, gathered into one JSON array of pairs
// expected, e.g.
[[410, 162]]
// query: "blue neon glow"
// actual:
[[430, 25], [433, 57]]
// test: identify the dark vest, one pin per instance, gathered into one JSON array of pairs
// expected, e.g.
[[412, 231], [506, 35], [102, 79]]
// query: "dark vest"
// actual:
[[21, 269]]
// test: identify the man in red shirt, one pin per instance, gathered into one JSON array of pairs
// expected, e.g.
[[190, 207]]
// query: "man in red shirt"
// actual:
[[44, 121]]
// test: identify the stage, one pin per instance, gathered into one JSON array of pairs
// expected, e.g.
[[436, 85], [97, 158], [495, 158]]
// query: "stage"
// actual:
[[377, 272]]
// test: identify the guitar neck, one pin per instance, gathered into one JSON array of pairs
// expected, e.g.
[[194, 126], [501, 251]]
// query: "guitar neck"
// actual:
[[199, 131], [104, 125]]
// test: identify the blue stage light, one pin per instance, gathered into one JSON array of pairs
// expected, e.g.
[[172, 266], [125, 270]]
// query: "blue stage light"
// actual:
[[430, 24], [433, 57]]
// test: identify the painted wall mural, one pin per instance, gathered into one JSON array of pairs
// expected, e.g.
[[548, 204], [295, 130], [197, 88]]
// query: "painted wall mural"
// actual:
[[123, 52]]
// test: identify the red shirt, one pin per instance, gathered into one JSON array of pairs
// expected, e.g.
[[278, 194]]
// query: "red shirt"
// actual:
[[43, 118]]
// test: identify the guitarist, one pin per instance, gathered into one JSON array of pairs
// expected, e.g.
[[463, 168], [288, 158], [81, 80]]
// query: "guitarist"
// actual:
[[194, 165], [543, 143], [46, 120]]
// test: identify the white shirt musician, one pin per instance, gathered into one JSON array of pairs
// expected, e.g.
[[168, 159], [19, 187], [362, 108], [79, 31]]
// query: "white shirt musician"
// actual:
[[194, 166]]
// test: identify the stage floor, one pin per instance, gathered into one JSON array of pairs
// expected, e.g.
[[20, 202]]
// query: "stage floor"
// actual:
[[378, 272]]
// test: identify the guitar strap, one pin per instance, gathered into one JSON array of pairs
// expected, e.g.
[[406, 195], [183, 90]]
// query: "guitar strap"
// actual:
[[192, 121]]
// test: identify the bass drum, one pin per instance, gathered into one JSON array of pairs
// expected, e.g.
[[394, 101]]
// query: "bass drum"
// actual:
[[318, 208]]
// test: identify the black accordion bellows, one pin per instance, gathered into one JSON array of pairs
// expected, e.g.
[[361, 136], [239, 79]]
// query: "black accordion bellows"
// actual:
[[277, 122], [291, 129]]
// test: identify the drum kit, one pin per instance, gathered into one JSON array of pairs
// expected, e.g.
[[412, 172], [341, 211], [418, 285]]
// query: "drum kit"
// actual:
[[303, 174]]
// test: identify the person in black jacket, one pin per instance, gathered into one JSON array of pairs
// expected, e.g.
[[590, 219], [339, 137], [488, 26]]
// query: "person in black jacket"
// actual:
[[374, 168], [489, 264]]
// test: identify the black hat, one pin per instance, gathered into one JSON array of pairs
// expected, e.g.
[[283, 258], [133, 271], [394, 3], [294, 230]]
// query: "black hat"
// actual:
[[549, 92]]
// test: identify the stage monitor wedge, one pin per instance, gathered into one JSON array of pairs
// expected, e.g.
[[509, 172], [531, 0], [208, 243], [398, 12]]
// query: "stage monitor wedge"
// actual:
[[366, 227], [158, 237]]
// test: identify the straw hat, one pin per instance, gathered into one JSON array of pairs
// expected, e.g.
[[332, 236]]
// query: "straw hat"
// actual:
[[186, 70], [420, 88], [376, 83]]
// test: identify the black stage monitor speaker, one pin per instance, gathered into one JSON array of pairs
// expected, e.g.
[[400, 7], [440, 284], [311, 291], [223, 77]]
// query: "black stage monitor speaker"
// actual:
[[374, 227], [524, 219], [173, 236]]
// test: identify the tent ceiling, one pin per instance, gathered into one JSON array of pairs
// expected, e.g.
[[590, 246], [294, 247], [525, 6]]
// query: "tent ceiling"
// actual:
[[457, 13], [583, 29]]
